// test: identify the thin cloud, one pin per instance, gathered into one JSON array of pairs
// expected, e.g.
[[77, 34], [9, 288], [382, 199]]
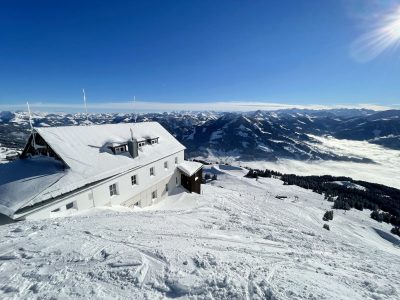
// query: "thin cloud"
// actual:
[[142, 106]]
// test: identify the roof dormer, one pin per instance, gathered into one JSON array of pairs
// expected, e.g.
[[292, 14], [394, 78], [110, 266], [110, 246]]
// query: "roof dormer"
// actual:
[[147, 141], [118, 148]]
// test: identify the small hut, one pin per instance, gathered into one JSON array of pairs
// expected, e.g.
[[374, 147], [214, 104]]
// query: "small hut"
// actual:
[[191, 175]]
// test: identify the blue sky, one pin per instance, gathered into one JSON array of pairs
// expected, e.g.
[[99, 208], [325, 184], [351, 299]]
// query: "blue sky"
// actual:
[[296, 52]]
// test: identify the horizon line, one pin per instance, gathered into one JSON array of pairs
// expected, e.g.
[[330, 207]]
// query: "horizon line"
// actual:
[[221, 106]]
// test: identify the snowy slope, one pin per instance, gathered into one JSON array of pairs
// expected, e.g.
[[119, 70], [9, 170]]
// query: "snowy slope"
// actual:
[[236, 241]]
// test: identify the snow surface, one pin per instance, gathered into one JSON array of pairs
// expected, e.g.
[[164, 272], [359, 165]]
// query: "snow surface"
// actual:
[[236, 241], [216, 135], [350, 185]]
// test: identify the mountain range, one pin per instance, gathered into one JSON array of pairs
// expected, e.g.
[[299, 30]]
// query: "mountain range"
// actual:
[[254, 135]]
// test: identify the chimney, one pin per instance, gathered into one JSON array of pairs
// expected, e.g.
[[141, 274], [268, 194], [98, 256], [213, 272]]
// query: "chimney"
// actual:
[[133, 148]]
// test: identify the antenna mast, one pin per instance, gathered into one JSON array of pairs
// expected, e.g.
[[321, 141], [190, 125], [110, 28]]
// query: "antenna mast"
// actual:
[[134, 112], [30, 117], [31, 124], [84, 101]]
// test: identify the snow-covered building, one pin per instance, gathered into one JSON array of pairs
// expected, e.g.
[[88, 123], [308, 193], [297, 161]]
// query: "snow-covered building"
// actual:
[[79, 167]]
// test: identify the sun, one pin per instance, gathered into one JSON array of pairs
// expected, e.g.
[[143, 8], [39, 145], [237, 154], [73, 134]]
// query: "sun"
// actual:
[[392, 27], [384, 36]]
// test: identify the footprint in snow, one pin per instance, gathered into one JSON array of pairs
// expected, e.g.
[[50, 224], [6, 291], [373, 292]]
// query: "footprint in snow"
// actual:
[[8, 257]]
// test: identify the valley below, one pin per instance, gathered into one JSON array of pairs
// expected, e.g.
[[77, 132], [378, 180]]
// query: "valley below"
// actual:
[[385, 168]]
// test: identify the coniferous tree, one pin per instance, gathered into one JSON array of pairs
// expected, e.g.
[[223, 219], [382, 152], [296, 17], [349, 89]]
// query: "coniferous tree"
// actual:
[[395, 230], [328, 215]]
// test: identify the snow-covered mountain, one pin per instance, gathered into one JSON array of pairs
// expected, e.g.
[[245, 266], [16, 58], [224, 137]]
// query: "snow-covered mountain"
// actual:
[[7, 154], [247, 136], [242, 239]]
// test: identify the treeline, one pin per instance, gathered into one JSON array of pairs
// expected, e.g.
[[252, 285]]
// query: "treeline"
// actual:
[[352, 194], [382, 216], [254, 173]]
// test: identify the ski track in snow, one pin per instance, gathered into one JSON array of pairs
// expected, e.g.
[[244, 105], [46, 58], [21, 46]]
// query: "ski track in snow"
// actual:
[[236, 241]]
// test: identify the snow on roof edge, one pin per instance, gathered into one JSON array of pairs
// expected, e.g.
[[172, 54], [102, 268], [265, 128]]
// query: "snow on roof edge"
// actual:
[[189, 167]]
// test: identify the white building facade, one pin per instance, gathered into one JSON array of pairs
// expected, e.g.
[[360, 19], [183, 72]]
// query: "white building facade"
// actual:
[[134, 188], [81, 167]]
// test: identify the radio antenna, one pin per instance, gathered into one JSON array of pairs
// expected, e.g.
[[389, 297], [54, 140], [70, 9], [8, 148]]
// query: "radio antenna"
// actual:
[[31, 124], [30, 116], [84, 101], [134, 109]]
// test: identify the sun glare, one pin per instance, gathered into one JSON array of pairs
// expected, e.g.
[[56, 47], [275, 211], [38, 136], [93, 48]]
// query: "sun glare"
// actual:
[[385, 35], [393, 25]]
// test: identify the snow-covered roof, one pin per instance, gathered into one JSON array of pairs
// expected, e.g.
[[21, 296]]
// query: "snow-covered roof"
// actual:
[[23, 179], [189, 167], [85, 150]]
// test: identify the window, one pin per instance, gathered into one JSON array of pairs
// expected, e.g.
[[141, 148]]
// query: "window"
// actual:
[[120, 149], [141, 144], [56, 210], [176, 160], [70, 205], [113, 190], [166, 187], [134, 180], [152, 173], [153, 142], [154, 195], [165, 165]]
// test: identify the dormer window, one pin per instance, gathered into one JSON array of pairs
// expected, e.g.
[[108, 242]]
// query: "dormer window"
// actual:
[[152, 141], [120, 149], [147, 141]]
